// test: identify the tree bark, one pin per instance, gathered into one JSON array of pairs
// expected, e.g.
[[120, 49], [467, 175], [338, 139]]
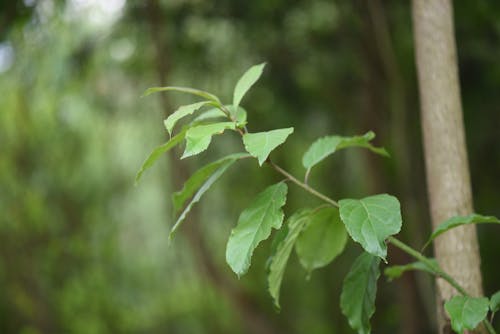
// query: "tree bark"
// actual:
[[448, 180]]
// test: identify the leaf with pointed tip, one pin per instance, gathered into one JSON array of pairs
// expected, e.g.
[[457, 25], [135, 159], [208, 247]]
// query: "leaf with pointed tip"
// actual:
[[322, 239], [199, 137], [240, 115], [359, 290], [280, 259], [326, 146], [261, 144], [369, 221], [246, 82], [459, 221], [254, 225], [157, 152], [495, 302], [192, 91], [466, 312], [200, 182], [394, 272], [181, 112]]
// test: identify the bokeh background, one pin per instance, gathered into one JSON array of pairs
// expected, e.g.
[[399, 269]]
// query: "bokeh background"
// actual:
[[83, 250]]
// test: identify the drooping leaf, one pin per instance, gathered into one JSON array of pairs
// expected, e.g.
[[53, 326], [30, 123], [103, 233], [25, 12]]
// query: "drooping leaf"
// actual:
[[199, 137], [322, 239], [394, 272], [261, 144], [369, 221], [201, 183], [283, 250], [192, 91], [466, 312], [246, 82], [180, 113], [254, 225], [359, 290], [326, 146], [199, 178], [157, 152], [459, 221], [495, 302]]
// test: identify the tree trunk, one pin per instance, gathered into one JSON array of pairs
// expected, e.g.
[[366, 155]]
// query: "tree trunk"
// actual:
[[448, 179]]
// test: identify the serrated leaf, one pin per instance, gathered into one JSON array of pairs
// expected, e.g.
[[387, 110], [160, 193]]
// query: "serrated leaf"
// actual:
[[326, 146], [246, 82], [254, 225], [394, 272], [495, 302], [192, 91], [181, 112], [283, 250], [359, 290], [201, 182], [466, 312], [199, 137], [157, 152], [459, 221], [199, 178], [261, 144], [322, 239], [369, 221]]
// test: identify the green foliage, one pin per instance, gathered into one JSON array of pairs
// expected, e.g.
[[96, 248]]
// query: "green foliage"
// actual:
[[246, 82], [261, 144], [359, 290], [466, 312], [187, 90], [183, 111], [394, 272], [254, 225], [495, 302], [198, 137], [371, 220]]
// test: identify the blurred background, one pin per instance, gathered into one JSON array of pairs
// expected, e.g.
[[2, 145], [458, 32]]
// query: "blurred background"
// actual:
[[84, 251]]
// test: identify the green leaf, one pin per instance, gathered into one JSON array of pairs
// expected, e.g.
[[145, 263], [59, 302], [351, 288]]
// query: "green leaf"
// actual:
[[322, 239], [254, 225], [394, 272], [466, 312], [359, 290], [240, 115], [180, 113], [246, 81], [459, 221], [261, 144], [326, 146], [201, 182], [200, 177], [369, 221], [157, 152], [192, 91], [495, 302], [199, 137], [283, 250]]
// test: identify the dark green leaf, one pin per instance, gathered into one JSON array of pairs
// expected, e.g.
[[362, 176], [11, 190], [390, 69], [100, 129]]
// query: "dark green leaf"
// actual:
[[199, 137], [466, 312], [254, 225], [495, 302], [261, 144], [192, 91], [180, 113], [394, 272], [246, 82], [371, 220], [359, 290], [322, 239]]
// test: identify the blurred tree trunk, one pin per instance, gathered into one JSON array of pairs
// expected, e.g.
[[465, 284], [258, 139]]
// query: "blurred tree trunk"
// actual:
[[448, 179]]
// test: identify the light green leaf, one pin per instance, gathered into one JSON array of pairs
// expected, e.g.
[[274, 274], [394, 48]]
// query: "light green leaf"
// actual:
[[369, 221], [240, 115], [157, 152], [201, 182], [199, 137], [261, 144], [200, 177], [254, 225], [359, 290], [246, 82], [326, 146], [192, 91], [466, 312], [180, 113], [459, 221], [322, 239], [495, 302], [394, 272], [283, 250]]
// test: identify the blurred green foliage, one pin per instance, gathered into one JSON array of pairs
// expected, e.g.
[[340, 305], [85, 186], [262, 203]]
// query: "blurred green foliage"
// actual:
[[83, 251]]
